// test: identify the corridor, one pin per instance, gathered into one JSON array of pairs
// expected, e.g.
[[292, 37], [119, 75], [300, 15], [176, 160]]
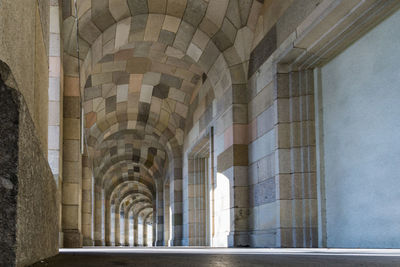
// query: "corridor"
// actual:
[[219, 257], [199, 133]]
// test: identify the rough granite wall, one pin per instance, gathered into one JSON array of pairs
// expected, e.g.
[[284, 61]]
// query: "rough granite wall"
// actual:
[[28, 207]]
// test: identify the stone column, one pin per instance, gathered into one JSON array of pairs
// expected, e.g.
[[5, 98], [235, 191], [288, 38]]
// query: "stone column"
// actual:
[[176, 201], [232, 163], [126, 227], [72, 164], [117, 220], [135, 230], [295, 157], [98, 218], [145, 231], [107, 226], [159, 217], [86, 202], [166, 215]]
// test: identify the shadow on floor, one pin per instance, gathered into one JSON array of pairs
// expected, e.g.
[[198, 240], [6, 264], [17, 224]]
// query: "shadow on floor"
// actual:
[[207, 257]]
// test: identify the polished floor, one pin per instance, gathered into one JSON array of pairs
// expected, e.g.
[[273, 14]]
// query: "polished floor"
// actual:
[[99, 257]]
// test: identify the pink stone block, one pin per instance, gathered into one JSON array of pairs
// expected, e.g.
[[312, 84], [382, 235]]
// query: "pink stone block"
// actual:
[[240, 134]]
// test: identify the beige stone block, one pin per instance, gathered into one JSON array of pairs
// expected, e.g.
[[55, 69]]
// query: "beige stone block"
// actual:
[[176, 8], [283, 135], [138, 65], [145, 93], [171, 23], [164, 117], [173, 52], [71, 86], [98, 79], [122, 33], [71, 150], [216, 11], [70, 217], [151, 78], [119, 9], [109, 47], [122, 93], [113, 66], [181, 109], [242, 44], [194, 52], [71, 172], [153, 27], [135, 82], [200, 39], [158, 6], [70, 195], [71, 128], [176, 94]]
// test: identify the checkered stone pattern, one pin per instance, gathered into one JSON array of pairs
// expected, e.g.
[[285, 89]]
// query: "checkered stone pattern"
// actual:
[[151, 71]]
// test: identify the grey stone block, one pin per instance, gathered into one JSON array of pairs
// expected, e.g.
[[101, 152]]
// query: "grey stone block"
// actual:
[[138, 7], [171, 81], [111, 104], [161, 91], [166, 37], [28, 208], [263, 51], [194, 13]]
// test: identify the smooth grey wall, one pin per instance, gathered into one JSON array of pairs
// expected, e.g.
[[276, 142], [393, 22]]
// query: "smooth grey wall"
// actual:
[[361, 140]]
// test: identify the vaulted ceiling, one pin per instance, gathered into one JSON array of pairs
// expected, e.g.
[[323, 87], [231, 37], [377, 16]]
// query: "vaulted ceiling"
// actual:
[[140, 64]]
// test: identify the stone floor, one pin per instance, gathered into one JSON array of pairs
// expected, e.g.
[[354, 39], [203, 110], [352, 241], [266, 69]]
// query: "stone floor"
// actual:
[[98, 257]]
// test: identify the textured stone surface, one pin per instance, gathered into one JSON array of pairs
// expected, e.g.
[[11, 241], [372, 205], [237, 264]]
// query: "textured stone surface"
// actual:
[[262, 51], [29, 215]]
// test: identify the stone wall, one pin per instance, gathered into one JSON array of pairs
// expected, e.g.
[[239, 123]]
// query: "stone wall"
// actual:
[[359, 140], [277, 22], [28, 193]]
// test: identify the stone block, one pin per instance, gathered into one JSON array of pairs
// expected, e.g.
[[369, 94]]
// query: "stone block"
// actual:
[[158, 7], [171, 24], [119, 9], [194, 52], [71, 107], [263, 51], [71, 150], [138, 65], [166, 37], [262, 146], [138, 7], [176, 8], [194, 12], [71, 128], [101, 15], [70, 194], [153, 27], [146, 93], [184, 36], [122, 93], [171, 81], [122, 33], [27, 187], [225, 37], [216, 11]]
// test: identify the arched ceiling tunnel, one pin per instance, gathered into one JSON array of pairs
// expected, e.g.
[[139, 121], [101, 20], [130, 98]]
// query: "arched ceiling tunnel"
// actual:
[[141, 63]]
